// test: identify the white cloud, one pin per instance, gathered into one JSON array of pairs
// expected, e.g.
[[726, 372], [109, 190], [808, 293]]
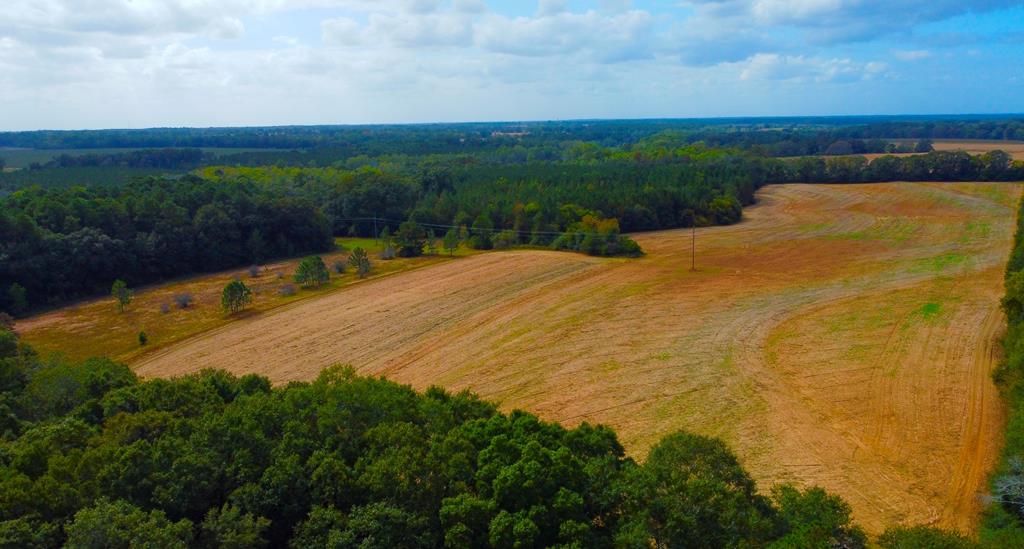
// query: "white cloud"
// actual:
[[771, 66], [81, 62], [911, 55]]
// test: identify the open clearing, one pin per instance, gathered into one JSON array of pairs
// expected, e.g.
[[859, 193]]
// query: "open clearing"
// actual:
[[841, 335], [94, 327]]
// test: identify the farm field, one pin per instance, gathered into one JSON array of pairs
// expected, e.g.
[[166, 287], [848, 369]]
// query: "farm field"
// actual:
[[842, 336], [973, 146], [97, 329]]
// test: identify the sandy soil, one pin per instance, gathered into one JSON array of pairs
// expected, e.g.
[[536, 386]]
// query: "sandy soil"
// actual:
[[841, 336]]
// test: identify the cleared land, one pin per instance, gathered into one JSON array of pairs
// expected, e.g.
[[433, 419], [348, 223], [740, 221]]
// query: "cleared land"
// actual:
[[95, 328], [978, 146], [842, 336]]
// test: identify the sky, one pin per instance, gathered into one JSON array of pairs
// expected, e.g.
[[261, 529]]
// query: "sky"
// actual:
[[68, 64]]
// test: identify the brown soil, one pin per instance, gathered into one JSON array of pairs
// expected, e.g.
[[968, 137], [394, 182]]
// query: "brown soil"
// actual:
[[841, 336]]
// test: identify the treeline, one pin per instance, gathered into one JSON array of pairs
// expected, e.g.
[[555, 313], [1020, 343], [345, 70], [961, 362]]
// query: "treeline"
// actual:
[[685, 187], [58, 244], [1003, 522], [793, 133], [90, 456], [934, 166], [169, 158]]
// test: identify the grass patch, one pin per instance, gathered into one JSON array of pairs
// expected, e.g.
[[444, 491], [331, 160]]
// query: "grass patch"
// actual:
[[95, 328], [929, 311]]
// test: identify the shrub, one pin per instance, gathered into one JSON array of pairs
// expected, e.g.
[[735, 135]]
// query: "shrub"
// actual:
[[165, 308], [360, 262], [183, 300], [143, 339], [923, 537], [286, 290], [254, 271], [338, 266], [505, 240], [387, 253], [312, 272]]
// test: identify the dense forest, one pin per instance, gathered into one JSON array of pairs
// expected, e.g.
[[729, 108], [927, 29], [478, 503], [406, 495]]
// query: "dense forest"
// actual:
[[71, 225], [62, 243], [91, 456], [792, 135]]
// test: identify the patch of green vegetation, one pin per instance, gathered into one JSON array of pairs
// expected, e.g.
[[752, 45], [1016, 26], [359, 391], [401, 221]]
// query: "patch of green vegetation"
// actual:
[[976, 230], [939, 263], [929, 311], [896, 230]]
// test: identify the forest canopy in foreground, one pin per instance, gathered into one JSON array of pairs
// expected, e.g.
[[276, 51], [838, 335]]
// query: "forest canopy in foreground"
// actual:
[[90, 456]]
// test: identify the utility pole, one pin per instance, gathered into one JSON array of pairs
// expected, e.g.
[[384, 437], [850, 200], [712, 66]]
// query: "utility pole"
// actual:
[[693, 248]]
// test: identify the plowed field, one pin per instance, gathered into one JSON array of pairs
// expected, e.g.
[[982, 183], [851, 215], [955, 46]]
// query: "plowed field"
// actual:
[[841, 335]]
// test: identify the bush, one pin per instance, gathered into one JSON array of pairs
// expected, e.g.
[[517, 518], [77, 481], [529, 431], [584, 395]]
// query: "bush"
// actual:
[[254, 271], [165, 308], [183, 300], [143, 339], [360, 262], [505, 240], [287, 290], [923, 537], [338, 266], [387, 253], [312, 273]]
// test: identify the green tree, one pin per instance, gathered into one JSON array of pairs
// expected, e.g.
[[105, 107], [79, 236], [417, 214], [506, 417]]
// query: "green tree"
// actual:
[[312, 273], [255, 246], [923, 537], [122, 294], [451, 241], [431, 242], [235, 297], [230, 528], [360, 262], [410, 239], [120, 524], [480, 238], [692, 488], [16, 297], [815, 518]]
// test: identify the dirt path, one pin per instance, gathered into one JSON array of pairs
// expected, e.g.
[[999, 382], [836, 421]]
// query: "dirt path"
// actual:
[[841, 336]]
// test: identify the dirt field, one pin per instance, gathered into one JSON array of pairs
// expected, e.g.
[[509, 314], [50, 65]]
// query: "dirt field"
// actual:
[[841, 336], [978, 146]]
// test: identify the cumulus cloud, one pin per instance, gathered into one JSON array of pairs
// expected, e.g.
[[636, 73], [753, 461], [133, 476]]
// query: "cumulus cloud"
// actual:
[[383, 57], [770, 66]]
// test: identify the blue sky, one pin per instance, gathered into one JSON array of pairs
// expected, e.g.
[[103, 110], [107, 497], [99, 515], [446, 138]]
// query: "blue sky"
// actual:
[[142, 63]]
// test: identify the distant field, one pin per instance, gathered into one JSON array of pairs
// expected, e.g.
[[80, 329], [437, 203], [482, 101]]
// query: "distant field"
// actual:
[[97, 329], [977, 146], [842, 336], [23, 158]]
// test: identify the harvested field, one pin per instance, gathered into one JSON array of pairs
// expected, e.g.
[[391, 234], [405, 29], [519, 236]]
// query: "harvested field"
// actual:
[[841, 336], [979, 146]]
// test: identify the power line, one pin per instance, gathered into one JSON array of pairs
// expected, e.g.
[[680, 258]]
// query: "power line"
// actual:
[[443, 226]]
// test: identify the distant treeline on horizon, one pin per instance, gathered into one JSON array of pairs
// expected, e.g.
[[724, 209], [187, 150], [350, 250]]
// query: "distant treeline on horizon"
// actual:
[[812, 134]]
